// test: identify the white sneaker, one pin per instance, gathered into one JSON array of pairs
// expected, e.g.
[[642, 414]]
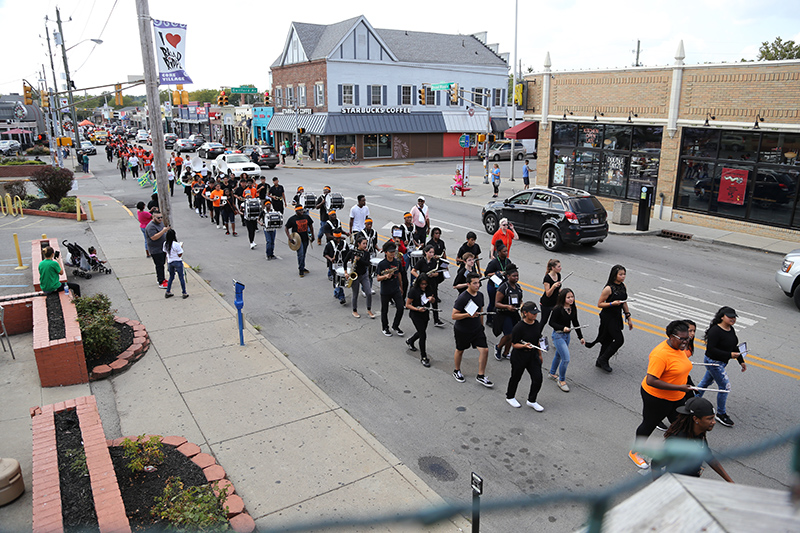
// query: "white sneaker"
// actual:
[[252, 245], [535, 406], [218, 226], [197, 210], [512, 402]]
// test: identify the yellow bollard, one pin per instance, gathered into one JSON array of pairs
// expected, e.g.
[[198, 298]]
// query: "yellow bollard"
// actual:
[[91, 211], [44, 236], [18, 204], [78, 208], [19, 255]]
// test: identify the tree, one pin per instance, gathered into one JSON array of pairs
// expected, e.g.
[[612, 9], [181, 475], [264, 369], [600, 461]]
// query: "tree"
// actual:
[[778, 49], [204, 95]]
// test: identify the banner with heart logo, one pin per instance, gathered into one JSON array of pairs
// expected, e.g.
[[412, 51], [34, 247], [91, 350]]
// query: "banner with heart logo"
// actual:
[[170, 51]]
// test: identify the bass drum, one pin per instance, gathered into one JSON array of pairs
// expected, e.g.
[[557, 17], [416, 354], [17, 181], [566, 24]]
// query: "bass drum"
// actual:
[[308, 200], [334, 200], [273, 220]]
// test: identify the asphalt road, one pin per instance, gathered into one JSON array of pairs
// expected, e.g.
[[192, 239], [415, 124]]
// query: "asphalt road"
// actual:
[[444, 430]]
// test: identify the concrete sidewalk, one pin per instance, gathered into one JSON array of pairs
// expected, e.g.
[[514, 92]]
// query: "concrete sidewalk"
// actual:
[[292, 453]]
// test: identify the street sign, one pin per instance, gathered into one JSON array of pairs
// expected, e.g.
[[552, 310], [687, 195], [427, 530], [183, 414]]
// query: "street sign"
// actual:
[[463, 141], [244, 90], [441, 86]]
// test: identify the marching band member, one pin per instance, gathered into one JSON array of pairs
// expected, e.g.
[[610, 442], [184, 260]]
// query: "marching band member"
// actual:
[[506, 302], [397, 239], [251, 210], [335, 252], [303, 225], [496, 266], [389, 276], [297, 195], [437, 243], [359, 265], [430, 265], [228, 210], [322, 205], [372, 237], [468, 266], [216, 203], [333, 224], [470, 246], [199, 202], [468, 330], [418, 296], [269, 233]]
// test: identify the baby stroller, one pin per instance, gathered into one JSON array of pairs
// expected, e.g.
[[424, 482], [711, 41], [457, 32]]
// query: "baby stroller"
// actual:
[[83, 263]]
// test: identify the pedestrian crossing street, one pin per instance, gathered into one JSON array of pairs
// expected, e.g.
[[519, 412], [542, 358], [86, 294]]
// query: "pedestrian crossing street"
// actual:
[[668, 304]]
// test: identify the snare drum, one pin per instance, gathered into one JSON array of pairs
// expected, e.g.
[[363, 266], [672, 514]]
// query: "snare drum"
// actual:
[[273, 220], [308, 200], [416, 256], [334, 200], [373, 266], [340, 279]]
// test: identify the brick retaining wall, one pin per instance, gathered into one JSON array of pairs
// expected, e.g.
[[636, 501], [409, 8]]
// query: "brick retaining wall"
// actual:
[[60, 362]]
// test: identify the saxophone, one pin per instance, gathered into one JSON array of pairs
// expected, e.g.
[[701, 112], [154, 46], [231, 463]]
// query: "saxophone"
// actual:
[[352, 275]]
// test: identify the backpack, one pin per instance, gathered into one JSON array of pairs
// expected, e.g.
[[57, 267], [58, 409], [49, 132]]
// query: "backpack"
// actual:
[[252, 208]]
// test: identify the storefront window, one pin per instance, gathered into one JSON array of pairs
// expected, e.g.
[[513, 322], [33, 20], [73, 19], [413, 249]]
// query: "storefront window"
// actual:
[[739, 145], [694, 185], [699, 142], [564, 133], [562, 167], [343, 144], [730, 190], [377, 145], [590, 135], [780, 148], [774, 196], [612, 179], [617, 137], [644, 171], [647, 138], [587, 170]]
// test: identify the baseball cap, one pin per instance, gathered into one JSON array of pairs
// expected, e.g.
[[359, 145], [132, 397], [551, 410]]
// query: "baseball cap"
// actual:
[[421, 198], [530, 307], [729, 312], [698, 407]]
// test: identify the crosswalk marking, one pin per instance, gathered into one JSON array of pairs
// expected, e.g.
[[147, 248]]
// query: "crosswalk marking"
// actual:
[[668, 304]]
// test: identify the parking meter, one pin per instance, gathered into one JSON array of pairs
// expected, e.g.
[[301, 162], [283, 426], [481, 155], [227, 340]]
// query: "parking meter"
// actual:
[[238, 301], [646, 196]]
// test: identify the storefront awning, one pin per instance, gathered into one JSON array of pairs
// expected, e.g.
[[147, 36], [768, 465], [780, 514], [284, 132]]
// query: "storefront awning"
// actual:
[[353, 124], [314, 124], [461, 122], [499, 125], [524, 130]]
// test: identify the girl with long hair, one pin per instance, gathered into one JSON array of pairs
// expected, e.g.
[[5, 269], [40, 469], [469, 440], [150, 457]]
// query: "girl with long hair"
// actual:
[[420, 316], [552, 284], [174, 252], [613, 304], [563, 319]]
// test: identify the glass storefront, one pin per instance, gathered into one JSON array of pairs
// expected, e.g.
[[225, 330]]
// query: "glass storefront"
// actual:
[[612, 160], [377, 145], [343, 144], [745, 175]]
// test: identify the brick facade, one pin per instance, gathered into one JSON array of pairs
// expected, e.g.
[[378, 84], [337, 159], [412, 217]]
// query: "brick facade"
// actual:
[[308, 74], [735, 94]]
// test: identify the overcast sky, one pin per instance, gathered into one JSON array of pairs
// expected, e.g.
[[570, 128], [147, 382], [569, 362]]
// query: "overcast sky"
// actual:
[[233, 42]]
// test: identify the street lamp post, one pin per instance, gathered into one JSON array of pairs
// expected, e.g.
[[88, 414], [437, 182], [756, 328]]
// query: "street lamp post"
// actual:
[[75, 134]]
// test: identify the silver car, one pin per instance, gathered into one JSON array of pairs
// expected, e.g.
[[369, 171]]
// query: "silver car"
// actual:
[[10, 146], [502, 151], [788, 276]]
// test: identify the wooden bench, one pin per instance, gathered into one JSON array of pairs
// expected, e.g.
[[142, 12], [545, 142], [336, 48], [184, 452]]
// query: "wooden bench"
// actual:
[[37, 255]]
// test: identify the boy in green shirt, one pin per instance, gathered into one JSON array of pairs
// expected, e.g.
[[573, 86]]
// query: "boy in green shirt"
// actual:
[[49, 273]]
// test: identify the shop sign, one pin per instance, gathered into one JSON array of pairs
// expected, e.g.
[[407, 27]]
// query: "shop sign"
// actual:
[[301, 111], [732, 186], [201, 110], [375, 110]]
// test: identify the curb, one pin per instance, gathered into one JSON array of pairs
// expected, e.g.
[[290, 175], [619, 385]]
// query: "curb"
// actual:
[[125, 360]]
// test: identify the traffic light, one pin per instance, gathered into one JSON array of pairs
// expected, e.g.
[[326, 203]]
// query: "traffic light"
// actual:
[[267, 99], [454, 93], [28, 91], [118, 94], [518, 94], [481, 137], [224, 98], [301, 130], [221, 98], [422, 95], [491, 137], [176, 97], [45, 99]]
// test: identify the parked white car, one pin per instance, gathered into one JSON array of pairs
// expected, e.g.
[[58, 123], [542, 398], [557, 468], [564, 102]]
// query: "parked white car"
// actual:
[[8, 147], [238, 163], [788, 276]]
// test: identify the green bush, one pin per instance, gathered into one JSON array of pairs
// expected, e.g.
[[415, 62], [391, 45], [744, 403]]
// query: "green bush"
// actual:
[[90, 305], [98, 330], [38, 150], [15, 188], [48, 207], [193, 508], [67, 204], [25, 204], [54, 182], [143, 452], [8, 161]]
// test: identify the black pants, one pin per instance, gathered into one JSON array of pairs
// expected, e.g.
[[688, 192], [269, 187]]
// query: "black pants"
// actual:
[[135, 172], [543, 319], [397, 298], [435, 305], [420, 234], [200, 204], [520, 362], [171, 187], [159, 259], [654, 410], [252, 225], [610, 344], [188, 192], [123, 170], [420, 321]]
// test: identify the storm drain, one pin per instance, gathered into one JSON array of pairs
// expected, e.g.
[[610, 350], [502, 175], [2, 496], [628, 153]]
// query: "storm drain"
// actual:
[[676, 235]]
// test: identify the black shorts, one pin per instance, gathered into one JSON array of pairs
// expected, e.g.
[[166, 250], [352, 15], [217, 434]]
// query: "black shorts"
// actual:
[[465, 340], [228, 216]]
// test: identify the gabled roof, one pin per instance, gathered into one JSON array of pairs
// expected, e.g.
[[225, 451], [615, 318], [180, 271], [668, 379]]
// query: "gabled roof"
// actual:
[[319, 41]]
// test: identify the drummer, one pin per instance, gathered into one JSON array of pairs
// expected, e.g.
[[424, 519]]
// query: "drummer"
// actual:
[[334, 253], [372, 237], [269, 232], [296, 200], [332, 225], [322, 205]]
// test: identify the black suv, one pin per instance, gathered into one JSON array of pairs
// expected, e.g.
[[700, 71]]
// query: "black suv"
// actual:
[[555, 215]]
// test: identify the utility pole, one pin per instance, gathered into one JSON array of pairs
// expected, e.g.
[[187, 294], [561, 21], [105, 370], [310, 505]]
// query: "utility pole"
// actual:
[[75, 133], [513, 86], [54, 103], [154, 106]]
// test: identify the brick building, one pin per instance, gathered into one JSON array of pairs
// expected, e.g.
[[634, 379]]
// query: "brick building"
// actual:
[[354, 84], [719, 143]]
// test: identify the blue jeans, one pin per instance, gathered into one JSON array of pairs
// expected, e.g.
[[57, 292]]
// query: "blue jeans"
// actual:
[[176, 267], [144, 233], [301, 256], [269, 235], [561, 358], [720, 375]]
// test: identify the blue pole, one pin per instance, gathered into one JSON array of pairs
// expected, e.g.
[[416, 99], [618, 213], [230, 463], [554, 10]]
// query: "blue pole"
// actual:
[[238, 301]]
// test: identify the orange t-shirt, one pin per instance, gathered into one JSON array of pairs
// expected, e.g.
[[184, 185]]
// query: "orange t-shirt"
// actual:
[[670, 365], [507, 238], [179, 161], [216, 196]]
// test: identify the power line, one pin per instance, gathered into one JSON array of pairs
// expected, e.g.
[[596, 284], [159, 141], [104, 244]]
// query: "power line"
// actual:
[[99, 36]]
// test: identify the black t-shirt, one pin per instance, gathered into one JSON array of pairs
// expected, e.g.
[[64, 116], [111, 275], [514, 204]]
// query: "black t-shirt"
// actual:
[[392, 284], [561, 319], [302, 224], [720, 343], [262, 189], [461, 277], [428, 267], [323, 210], [475, 249], [330, 226], [550, 301], [524, 332], [415, 295], [438, 247], [337, 251], [360, 260], [496, 265], [276, 191], [473, 323], [694, 468], [511, 296]]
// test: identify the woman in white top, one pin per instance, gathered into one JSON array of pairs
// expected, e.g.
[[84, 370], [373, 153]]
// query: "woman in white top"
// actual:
[[174, 253]]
